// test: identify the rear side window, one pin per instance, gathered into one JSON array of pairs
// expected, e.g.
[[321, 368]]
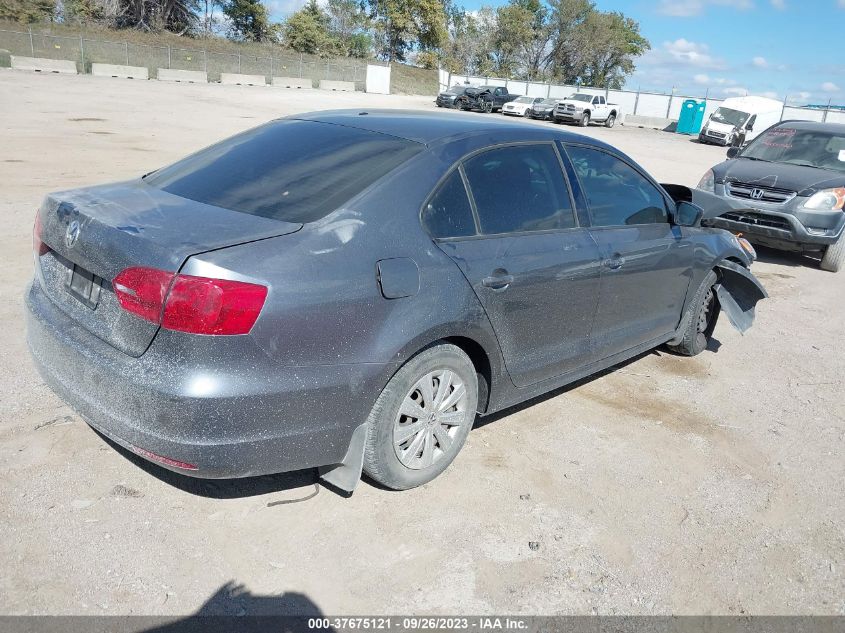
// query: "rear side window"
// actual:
[[519, 188], [448, 212], [296, 171], [617, 194]]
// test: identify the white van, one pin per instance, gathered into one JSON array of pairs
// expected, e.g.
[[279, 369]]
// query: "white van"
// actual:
[[740, 119]]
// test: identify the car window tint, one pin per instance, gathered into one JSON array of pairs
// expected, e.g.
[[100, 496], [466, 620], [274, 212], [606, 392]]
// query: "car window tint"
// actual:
[[297, 171], [519, 188], [448, 212], [616, 193]]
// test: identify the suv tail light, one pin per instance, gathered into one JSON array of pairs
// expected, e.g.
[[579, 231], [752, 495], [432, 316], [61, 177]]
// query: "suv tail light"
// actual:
[[197, 305]]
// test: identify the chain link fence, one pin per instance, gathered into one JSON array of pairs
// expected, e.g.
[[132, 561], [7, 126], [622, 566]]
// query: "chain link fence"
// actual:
[[85, 51]]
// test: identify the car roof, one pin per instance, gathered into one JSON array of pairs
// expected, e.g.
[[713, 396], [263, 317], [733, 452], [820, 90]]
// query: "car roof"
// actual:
[[814, 126], [430, 127]]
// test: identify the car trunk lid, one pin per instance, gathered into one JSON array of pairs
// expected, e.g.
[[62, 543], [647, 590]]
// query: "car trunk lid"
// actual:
[[95, 233]]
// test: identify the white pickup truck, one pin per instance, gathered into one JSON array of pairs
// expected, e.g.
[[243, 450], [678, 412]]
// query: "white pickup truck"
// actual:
[[582, 108]]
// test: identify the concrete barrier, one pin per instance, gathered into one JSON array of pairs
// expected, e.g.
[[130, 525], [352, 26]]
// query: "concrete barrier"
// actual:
[[126, 72], [653, 122], [188, 76], [242, 80], [344, 86], [292, 82], [41, 64]]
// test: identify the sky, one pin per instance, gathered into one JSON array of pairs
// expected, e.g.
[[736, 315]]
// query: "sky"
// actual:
[[777, 48]]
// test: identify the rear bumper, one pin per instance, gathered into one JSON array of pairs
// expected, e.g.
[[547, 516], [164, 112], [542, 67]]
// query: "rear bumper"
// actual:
[[236, 415]]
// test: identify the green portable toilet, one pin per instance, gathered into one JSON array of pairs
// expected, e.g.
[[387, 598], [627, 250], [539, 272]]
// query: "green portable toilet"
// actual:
[[691, 117]]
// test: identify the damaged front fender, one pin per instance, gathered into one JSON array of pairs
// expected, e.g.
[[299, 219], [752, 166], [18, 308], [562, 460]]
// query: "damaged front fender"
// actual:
[[738, 291]]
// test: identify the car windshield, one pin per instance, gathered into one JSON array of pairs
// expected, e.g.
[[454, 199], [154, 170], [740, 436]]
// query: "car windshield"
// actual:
[[581, 97], [524, 100], [729, 116], [291, 170], [550, 102], [810, 148]]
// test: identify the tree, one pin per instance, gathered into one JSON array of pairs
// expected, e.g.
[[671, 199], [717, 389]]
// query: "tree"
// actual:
[[27, 11], [248, 20], [307, 31], [613, 42], [402, 25], [349, 24]]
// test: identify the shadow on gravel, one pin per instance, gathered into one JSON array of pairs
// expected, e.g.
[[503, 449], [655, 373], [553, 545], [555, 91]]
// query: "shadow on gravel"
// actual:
[[785, 258], [479, 422], [234, 608]]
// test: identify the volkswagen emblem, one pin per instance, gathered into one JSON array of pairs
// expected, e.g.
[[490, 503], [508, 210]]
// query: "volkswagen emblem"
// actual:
[[72, 233], [756, 194]]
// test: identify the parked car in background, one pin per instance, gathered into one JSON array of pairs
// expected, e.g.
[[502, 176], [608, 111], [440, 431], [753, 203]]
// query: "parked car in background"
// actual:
[[582, 108], [543, 109], [314, 293], [786, 190], [520, 106], [740, 120], [485, 98], [447, 98]]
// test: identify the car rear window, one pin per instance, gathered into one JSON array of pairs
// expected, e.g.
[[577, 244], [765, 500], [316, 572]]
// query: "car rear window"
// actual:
[[291, 170]]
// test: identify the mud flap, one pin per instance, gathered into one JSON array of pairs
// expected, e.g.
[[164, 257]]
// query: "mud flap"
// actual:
[[347, 474], [738, 292]]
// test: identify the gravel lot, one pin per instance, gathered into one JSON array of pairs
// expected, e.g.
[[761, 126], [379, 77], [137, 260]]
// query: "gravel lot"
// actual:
[[669, 485]]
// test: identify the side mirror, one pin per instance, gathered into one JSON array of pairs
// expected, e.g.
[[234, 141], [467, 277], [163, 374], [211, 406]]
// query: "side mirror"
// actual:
[[750, 128], [733, 151], [688, 214]]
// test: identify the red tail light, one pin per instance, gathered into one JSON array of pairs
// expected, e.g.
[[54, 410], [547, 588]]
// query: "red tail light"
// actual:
[[197, 305], [38, 247]]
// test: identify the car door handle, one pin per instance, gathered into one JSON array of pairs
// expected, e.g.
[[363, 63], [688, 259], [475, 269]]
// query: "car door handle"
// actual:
[[614, 263], [497, 282]]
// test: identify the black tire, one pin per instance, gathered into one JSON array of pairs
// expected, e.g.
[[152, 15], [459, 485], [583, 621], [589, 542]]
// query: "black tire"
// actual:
[[585, 120], [610, 121], [699, 320], [487, 107], [834, 256], [381, 459]]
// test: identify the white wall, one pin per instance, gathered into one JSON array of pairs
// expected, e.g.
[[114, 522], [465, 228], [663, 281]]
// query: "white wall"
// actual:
[[836, 116], [652, 105], [801, 114], [378, 79]]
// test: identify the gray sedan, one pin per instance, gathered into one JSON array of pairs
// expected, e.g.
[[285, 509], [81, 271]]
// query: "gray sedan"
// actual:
[[349, 290]]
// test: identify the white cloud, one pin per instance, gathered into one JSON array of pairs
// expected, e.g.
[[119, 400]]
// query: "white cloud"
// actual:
[[735, 92], [771, 94], [780, 5], [829, 86], [760, 62], [702, 79], [842, 4], [689, 8], [691, 53]]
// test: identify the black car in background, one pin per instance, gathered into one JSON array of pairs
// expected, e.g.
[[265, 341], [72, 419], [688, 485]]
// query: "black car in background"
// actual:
[[484, 98], [447, 98], [786, 190]]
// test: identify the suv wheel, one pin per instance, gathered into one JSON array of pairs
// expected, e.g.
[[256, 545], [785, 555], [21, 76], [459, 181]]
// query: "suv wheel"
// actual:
[[834, 256], [611, 121], [488, 107], [585, 120], [422, 418]]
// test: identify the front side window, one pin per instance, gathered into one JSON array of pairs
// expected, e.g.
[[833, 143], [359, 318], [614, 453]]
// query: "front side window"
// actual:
[[448, 212], [519, 188], [617, 194]]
